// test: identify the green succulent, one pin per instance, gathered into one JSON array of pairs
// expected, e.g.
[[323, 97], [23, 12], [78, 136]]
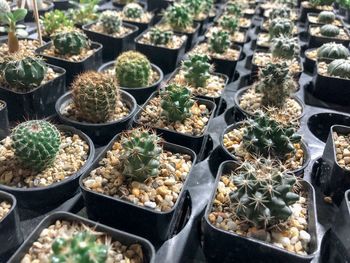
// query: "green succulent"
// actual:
[[320, 2], [179, 17], [133, 10], [160, 37], [280, 13], [332, 51], [229, 23], [280, 26], [55, 20], [329, 30], [197, 70], [70, 42], [339, 68], [284, 47], [233, 9], [85, 13], [196, 7], [326, 17], [219, 42], [110, 21]]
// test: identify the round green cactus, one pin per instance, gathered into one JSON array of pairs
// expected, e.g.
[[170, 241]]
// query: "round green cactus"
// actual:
[[133, 10], [140, 157], [332, 51], [159, 36], [95, 96], [110, 21], [133, 70], [36, 143], [284, 47], [339, 68], [280, 13], [326, 17], [329, 30], [280, 26], [179, 17], [70, 42], [197, 70], [219, 42], [229, 23]]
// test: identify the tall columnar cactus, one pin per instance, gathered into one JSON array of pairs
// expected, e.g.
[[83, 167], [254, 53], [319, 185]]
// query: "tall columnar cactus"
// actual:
[[280, 26], [280, 13], [197, 70], [332, 51], [229, 23], [339, 68], [133, 10], [329, 30], [179, 17], [284, 47], [70, 42], [36, 143], [133, 70], [140, 157], [110, 21], [233, 9], [159, 36], [276, 84], [263, 194], [176, 102], [95, 95], [81, 248], [219, 42], [264, 136], [326, 17]]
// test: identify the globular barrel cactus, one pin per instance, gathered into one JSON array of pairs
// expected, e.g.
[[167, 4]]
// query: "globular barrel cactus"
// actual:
[[23, 72], [176, 102], [159, 36], [233, 9], [326, 17], [280, 26], [81, 248], [70, 42], [197, 70], [179, 17], [332, 51], [36, 143], [219, 42], [133, 69], [133, 10], [339, 68], [229, 23], [280, 13], [265, 136], [95, 96], [284, 47], [140, 157], [110, 21], [263, 195], [329, 30]]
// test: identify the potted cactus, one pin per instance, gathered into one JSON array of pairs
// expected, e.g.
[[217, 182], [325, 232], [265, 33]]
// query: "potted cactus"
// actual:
[[40, 160], [135, 74], [112, 33], [314, 6], [135, 14], [163, 47], [63, 237], [4, 121], [72, 50], [320, 34], [324, 17], [84, 12], [54, 21], [238, 11], [96, 106], [43, 7], [147, 180], [199, 11]]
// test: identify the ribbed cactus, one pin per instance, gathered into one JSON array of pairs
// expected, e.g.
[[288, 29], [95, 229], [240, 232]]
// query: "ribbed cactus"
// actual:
[[110, 21], [332, 51], [95, 96], [4, 7], [140, 157], [233, 9], [339, 68], [219, 42], [265, 136], [133, 70], [284, 47], [133, 10], [329, 30], [179, 17], [176, 102], [229, 23], [159, 36], [326, 17], [280, 13], [197, 70], [36, 143], [280, 26], [263, 194], [70, 42], [81, 248]]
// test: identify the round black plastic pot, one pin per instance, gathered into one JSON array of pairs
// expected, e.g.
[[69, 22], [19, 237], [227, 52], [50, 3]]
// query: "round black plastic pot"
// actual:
[[195, 143], [125, 215], [116, 235], [30, 15], [317, 41], [165, 58], [74, 68], [37, 103], [112, 46], [61, 4], [4, 121], [140, 94], [158, 5], [44, 199], [245, 249], [10, 230], [100, 133]]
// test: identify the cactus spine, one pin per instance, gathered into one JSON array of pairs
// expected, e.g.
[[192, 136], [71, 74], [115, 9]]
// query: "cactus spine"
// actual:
[[219, 42], [133, 10], [280, 26], [197, 70], [179, 17], [110, 21], [284, 47], [160, 37], [70, 42]]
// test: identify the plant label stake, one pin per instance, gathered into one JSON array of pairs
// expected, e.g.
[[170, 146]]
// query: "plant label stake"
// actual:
[[36, 15]]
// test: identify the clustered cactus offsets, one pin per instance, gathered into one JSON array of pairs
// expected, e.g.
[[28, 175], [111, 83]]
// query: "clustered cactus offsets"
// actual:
[[332, 51], [280, 26], [219, 42], [284, 47], [110, 21], [70, 41], [159, 36], [133, 10], [197, 70], [179, 17]]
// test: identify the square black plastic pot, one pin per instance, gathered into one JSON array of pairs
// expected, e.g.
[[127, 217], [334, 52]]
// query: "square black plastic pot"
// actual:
[[37, 103], [112, 46], [139, 220], [10, 230], [309, 64], [30, 15], [142, 26], [195, 143], [74, 68], [305, 10], [317, 41], [61, 4], [4, 121], [223, 246], [158, 5], [192, 38], [165, 58], [117, 235]]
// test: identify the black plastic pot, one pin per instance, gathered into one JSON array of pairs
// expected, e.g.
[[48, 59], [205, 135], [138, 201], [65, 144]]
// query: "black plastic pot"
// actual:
[[4, 121], [43, 199], [312, 23], [140, 94], [30, 15], [61, 4], [10, 230], [317, 41], [100, 133], [202, 25], [309, 64], [165, 58], [224, 246], [192, 38], [158, 5], [305, 10], [142, 26], [112, 46], [117, 235], [133, 218], [195, 143], [74, 68]]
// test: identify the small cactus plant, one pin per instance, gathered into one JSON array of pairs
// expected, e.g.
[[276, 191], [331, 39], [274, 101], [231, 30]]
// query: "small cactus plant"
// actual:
[[197, 70], [176, 102], [81, 248], [140, 157], [70, 42], [326, 17], [133, 10], [280, 26], [280, 13], [332, 51], [219, 42], [95, 96], [284, 47], [54, 21], [196, 7], [233, 9], [179, 17], [329, 30], [339, 68], [133, 69], [159, 36], [36, 143], [229, 23], [110, 21]]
